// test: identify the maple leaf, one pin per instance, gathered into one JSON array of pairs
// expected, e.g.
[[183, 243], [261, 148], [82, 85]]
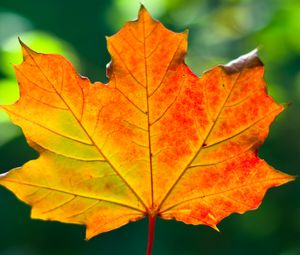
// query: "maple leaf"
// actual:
[[155, 141]]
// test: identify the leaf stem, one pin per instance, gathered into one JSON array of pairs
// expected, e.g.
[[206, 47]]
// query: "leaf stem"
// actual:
[[151, 225]]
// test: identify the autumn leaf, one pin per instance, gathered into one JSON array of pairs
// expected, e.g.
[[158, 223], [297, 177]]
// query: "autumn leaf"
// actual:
[[156, 141]]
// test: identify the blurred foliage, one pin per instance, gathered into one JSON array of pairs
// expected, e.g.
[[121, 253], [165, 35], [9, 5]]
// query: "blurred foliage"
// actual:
[[219, 31]]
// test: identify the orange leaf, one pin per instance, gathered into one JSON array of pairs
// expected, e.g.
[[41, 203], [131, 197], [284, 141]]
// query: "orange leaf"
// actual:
[[156, 140]]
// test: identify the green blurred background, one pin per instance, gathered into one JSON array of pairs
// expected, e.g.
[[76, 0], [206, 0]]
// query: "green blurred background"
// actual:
[[219, 31]]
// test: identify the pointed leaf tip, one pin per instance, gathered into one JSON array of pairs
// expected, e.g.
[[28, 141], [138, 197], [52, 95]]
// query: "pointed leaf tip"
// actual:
[[142, 7], [20, 41], [23, 45], [216, 228], [143, 12], [25, 49]]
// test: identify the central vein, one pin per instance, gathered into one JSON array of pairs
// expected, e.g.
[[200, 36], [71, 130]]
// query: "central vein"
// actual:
[[148, 116]]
